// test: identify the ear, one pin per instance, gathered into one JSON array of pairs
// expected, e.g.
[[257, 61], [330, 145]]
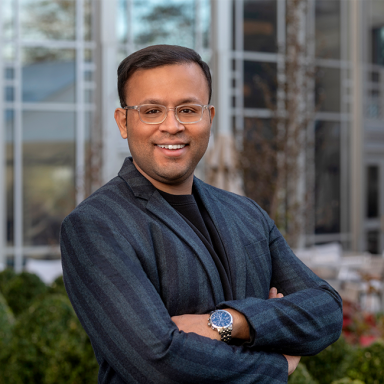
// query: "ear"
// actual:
[[212, 113], [121, 121]]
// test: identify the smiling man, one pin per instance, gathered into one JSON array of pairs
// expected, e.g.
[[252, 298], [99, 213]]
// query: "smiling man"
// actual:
[[176, 281]]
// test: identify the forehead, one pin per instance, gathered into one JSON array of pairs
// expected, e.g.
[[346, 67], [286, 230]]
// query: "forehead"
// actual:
[[167, 84]]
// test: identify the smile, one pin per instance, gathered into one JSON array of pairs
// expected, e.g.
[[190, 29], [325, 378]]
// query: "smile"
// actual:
[[176, 146]]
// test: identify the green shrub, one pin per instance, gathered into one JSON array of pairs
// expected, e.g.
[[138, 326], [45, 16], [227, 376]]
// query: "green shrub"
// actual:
[[49, 346], [368, 364], [6, 324], [5, 276], [347, 380], [330, 364], [301, 376], [57, 287], [21, 290]]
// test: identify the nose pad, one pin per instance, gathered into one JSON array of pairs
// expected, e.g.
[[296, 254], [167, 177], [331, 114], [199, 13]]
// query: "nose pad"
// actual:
[[171, 123]]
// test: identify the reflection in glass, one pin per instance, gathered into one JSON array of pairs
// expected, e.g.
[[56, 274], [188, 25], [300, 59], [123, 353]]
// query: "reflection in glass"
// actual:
[[205, 12], [48, 174], [328, 89], [327, 177], [88, 96], [373, 242], [259, 84], [8, 18], [260, 25], [9, 141], [8, 52], [164, 22], [258, 161], [88, 20], [122, 21], [48, 20], [48, 75], [9, 73], [328, 29], [88, 75], [9, 94], [88, 55], [372, 192]]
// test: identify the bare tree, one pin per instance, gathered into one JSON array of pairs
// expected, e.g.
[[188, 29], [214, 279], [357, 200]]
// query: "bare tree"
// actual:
[[275, 160]]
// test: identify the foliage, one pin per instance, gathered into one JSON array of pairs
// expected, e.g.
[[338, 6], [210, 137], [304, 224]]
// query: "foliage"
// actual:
[[368, 364], [5, 276], [347, 380], [57, 287], [49, 346], [332, 363], [301, 376], [6, 324], [22, 289]]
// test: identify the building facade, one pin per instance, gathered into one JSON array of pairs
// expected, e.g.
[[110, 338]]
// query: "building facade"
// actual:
[[59, 140]]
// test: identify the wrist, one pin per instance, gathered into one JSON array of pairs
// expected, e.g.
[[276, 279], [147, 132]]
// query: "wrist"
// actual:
[[240, 326]]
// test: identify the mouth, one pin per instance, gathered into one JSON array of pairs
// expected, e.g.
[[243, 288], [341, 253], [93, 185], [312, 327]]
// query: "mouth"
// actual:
[[171, 146]]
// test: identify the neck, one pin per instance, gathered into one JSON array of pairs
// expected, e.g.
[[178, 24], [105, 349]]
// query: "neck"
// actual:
[[183, 188]]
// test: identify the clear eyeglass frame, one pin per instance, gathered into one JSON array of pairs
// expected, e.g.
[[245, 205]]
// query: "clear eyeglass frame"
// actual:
[[165, 111]]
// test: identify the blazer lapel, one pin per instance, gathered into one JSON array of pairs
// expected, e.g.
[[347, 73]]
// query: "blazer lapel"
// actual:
[[227, 229], [143, 189]]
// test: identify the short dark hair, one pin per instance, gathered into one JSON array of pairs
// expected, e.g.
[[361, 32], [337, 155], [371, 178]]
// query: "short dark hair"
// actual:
[[157, 56]]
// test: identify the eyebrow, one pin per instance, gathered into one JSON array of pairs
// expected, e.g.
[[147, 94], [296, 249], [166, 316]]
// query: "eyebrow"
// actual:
[[183, 101]]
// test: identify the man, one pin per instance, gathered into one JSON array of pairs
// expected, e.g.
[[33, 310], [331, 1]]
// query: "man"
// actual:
[[151, 254]]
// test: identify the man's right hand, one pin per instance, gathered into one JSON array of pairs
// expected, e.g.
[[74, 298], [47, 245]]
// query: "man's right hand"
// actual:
[[293, 361]]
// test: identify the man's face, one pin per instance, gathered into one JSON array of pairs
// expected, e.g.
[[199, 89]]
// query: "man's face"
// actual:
[[169, 85]]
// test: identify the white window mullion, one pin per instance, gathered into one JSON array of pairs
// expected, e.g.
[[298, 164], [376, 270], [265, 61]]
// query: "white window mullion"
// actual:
[[80, 134], [18, 147]]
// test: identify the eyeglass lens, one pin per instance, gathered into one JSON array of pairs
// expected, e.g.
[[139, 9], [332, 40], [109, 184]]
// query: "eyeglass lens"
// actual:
[[152, 113]]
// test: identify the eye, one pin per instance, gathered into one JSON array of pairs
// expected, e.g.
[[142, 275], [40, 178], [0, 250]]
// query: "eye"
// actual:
[[151, 110], [188, 109]]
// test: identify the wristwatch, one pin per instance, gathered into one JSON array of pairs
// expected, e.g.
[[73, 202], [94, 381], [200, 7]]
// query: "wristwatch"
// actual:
[[221, 321]]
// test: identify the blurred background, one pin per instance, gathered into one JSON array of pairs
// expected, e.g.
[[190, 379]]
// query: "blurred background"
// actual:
[[299, 95]]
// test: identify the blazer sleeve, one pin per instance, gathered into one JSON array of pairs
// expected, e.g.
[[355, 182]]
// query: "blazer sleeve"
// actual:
[[306, 320], [128, 324]]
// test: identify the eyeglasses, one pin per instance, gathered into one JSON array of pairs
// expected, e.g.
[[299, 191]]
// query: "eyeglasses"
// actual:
[[156, 114]]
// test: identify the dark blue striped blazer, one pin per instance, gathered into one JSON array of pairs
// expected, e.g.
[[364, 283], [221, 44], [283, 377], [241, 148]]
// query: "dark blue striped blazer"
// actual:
[[130, 262]]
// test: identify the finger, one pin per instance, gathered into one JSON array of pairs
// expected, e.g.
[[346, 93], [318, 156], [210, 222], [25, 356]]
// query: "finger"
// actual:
[[272, 293], [279, 295]]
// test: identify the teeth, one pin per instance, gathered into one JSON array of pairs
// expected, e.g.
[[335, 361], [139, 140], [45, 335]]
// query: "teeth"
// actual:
[[179, 146]]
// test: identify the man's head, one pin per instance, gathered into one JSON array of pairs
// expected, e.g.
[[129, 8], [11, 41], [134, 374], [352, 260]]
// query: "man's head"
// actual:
[[152, 83], [157, 56]]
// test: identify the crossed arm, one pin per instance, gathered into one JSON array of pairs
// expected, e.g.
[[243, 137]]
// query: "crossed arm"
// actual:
[[240, 327]]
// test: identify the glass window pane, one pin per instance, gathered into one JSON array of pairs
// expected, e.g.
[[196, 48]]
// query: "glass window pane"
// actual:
[[48, 20], [8, 53], [372, 192], [259, 84], [7, 9], [48, 75], [88, 30], [259, 180], [9, 94], [48, 174], [327, 177], [205, 13], [328, 29], [122, 21], [375, 26], [164, 22], [373, 242], [260, 25], [328, 89], [9, 73], [9, 142]]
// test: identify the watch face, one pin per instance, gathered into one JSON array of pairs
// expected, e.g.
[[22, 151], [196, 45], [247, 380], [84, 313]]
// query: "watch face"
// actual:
[[221, 318]]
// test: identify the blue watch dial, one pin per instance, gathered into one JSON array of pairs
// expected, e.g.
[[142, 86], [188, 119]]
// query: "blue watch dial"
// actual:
[[221, 318]]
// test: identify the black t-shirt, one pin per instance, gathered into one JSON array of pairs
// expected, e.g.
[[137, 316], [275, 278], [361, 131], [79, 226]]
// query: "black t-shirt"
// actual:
[[194, 213]]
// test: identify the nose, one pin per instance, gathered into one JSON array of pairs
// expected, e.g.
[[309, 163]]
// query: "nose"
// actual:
[[171, 124]]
